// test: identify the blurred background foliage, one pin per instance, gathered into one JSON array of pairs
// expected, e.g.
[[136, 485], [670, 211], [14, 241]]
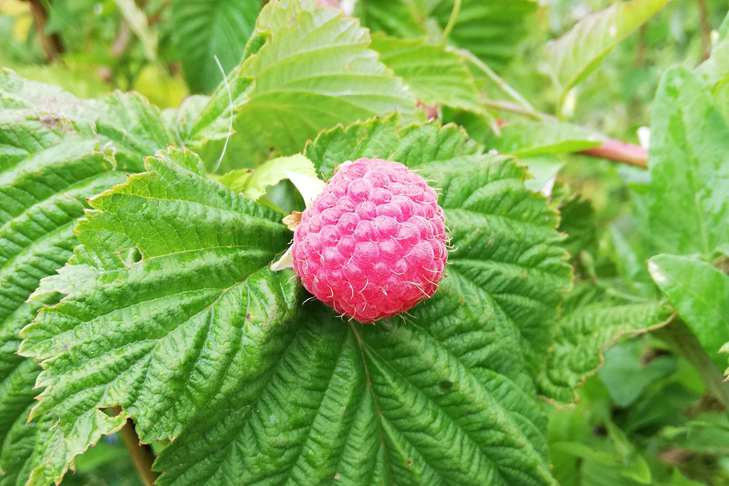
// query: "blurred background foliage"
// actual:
[[644, 418]]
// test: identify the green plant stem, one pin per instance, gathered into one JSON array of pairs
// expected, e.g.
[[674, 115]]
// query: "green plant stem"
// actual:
[[141, 454], [682, 340], [497, 80], [613, 150], [455, 12], [509, 107]]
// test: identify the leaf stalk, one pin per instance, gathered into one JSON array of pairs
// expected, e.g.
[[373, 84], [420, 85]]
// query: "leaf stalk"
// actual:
[[452, 20], [141, 454], [684, 342]]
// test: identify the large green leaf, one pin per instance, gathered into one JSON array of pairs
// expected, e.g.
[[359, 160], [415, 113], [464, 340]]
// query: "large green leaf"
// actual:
[[46, 172], [572, 57], [174, 278], [445, 394], [55, 151], [688, 196], [436, 74], [548, 137], [308, 68], [592, 320], [127, 121], [45, 175], [205, 29], [17, 93], [490, 30], [440, 153], [180, 323], [700, 294]]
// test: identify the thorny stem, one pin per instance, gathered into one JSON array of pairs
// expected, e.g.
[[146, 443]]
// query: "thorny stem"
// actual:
[[680, 337], [455, 12], [141, 454]]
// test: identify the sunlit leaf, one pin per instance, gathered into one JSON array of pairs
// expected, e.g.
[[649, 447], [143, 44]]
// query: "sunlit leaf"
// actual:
[[572, 57], [206, 29], [700, 294], [309, 68], [688, 196]]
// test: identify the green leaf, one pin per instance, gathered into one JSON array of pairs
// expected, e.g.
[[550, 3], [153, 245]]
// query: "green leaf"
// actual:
[[50, 162], [309, 68], [539, 143], [181, 279], [706, 434], [578, 222], [626, 376], [391, 139], [446, 394], [591, 322], [440, 153], [253, 183], [571, 58], [688, 196], [128, 122], [398, 405], [17, 93], [700, 294], [55, 152], [436, 74], [490, 30], [17, 437], [531, 138], [204, 29], [634, 465], [45, 175], [543, 172]]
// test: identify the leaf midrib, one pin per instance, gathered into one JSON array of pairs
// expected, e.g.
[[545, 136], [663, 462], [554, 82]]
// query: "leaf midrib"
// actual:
[[374, 355]]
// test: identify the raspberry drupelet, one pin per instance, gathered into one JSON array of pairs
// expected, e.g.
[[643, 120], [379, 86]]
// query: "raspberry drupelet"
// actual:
[[373, 244]]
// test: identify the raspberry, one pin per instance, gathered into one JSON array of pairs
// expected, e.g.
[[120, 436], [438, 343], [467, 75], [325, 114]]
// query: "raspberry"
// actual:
[[373, 244]]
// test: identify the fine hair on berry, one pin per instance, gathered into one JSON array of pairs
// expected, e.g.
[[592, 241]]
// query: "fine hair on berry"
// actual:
[[373, 243]]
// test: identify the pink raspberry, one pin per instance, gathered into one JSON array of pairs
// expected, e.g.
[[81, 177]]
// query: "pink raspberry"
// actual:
[[373, 244]]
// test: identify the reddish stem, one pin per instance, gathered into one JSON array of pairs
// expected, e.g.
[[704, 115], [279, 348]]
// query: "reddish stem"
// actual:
[[625, 153]]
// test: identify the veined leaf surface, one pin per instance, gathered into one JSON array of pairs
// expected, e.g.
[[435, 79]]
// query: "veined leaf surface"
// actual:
[[444, 394], [308, 68], [55, 152]]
